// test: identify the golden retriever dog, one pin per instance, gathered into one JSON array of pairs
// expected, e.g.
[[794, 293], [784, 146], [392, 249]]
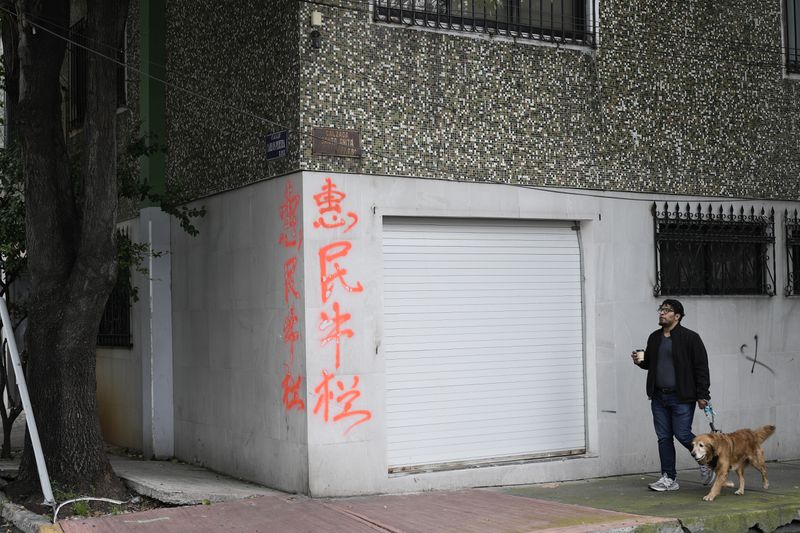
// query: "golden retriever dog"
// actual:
[[732, 451]]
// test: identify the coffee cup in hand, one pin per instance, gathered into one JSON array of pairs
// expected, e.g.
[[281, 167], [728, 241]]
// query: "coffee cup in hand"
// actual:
[[639, 355]]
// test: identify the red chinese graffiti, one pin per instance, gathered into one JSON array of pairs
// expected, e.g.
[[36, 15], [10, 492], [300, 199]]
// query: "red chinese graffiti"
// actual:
[[290, 333], [289, 268], [333, 325], [290, 238], [329, 254], [330, 209], [333, 321], [291, 392], [325, 395]]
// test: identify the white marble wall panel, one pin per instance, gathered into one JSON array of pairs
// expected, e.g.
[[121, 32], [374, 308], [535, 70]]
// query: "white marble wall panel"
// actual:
[[229, 351], [230, 356]]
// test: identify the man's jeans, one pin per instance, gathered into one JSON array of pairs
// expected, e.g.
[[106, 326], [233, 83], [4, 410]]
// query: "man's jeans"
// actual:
[[671, 418]]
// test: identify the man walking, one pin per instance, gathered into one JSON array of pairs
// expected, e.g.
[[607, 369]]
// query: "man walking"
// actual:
[[677, 376]]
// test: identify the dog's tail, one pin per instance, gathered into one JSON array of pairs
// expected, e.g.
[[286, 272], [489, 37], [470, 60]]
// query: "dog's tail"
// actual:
[[764, 432]]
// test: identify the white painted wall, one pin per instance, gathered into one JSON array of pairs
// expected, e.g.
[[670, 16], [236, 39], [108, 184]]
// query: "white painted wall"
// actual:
[[228, 309], [119, 396], [228, 312], [119, 380], [155, 335]]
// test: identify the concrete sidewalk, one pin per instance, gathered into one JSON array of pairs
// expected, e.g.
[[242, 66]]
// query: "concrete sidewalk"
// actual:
[[178, 483], [214, 502], [618, 504], [767, 510]]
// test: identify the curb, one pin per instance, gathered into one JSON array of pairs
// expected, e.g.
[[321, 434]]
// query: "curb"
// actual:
[[23, 519], [171, 498]]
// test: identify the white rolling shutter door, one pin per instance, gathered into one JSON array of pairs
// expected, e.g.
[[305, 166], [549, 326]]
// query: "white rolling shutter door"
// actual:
[[483, 340]]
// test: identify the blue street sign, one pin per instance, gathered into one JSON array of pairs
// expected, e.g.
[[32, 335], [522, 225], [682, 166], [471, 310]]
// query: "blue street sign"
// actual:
[[277, 143]]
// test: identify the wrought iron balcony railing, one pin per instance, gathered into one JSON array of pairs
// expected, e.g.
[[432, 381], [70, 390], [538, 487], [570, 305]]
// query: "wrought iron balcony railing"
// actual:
[[711, 252], [792, 228], [791, 30], [558, 21]]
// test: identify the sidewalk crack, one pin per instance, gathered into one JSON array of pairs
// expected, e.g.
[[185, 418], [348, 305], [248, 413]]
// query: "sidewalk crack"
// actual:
[[361, 518]]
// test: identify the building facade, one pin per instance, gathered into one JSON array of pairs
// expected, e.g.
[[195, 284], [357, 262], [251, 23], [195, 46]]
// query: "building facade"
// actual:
[[435, 231]]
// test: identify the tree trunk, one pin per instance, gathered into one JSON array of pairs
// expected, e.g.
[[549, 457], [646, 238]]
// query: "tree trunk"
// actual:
[[9, 30], [70, 223]]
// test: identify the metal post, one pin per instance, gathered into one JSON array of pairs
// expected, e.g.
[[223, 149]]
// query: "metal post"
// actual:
[[8, 333]]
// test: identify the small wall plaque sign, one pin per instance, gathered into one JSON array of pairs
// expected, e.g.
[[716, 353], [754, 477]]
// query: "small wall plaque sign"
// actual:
[[335, 141]]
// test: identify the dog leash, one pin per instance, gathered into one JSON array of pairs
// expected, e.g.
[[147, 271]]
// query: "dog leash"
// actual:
[[708, 410]]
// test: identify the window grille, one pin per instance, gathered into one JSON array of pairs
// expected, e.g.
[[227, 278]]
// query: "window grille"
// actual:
[[714, 253], [122, 91], [791, 11], [78, 74], [792, 228], [115, 326], [558, 21], [78, 67]]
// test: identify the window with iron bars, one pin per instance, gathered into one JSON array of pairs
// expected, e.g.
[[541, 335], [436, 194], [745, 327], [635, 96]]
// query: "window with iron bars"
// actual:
[[704, 253], [559, 21], [78, 72], [115, 326], [791, 18], [78, 66], [792, 228]]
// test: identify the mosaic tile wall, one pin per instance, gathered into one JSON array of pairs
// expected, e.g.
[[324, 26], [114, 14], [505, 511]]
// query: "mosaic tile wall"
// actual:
[[683, 97], [694, 99], [127, 122], [234, 78], [438, 105]]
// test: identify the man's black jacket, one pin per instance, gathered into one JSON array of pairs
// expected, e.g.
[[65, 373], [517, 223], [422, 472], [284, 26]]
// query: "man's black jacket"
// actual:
[[691, 364]]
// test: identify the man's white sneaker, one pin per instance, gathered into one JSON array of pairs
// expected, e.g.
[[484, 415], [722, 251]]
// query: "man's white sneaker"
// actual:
[[664, 484], [707, 475]]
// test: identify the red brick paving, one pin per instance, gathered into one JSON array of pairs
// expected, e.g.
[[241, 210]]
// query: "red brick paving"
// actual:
[[469, 511], [480, 511], [268, 514]]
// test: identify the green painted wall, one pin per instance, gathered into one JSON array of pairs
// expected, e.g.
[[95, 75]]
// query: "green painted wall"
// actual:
[[152, 91]]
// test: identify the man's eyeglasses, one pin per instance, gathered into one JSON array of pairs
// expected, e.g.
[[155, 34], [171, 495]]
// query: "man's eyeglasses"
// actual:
[[665, 310]]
